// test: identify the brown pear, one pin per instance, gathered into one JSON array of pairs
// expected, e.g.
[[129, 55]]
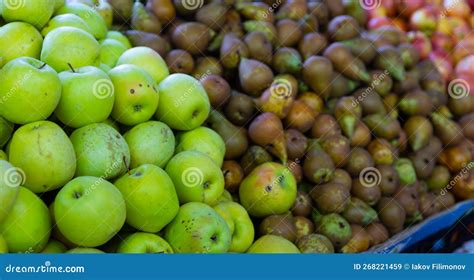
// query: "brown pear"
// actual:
[[300, 117], [235, 138], [267, 130], [193, 37], [317, 73], [232, 50], [240, 108], [144, 20], [151, 40], [259, 47], [217, 89], [180, 61], [312, 44], [254, 76], [163, 9]]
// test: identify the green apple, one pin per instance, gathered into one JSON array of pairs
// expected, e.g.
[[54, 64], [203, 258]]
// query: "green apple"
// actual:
[[10, 180], [87, 97], [116, 35], [104, 67], [240, 225], [110, 51], [3, 155], [204, 140], [136, 97], [196, 177], [58, 4], [198, 229], [150, 142], [147, 59], [28, 225], [90, 15], [29, 90], [45, 154], [36, 13], [101, 151], [6, 130], [150, 197], [83, 250], [78, 48], [184, 103], [269, 189], [273, 244], [54, 247], [19, 39], [3, 245], [55, 233], [144, 243], [70, 20], [89, 211]]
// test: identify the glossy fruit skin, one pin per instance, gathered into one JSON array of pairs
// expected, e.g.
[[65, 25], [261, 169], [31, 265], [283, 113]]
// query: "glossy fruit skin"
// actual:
[[150, 142], [150, 197], [268, 244], [142, 243], [45, 154], [269, 189], [38, 93], [198, 229], [100, 151], [186, 93], [240, 225], [27, 227], [89, 211]]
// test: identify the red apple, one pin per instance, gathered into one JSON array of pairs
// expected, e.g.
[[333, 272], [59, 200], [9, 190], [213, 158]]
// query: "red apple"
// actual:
[[424, 20], [421, 42]]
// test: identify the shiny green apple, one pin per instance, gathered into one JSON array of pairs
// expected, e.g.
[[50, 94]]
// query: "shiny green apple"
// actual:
[[87, 97], [240, 225], [28, 226], [90, 15], [136, 97], [196, 177], [150, 197], [198, 229], [45, 154], [204, 140], [150, 142], [29, 90], [148, 59], [54, 247], [273, 244], [110, 51], [70, 20], [89, 211], [10, 181], [19, 39], [184, 103], [78, 49], [35, 12], [144, 243], [116, 35], [101, 151]]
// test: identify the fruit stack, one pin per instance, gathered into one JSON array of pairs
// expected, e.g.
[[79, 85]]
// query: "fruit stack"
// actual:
[[278, 126]]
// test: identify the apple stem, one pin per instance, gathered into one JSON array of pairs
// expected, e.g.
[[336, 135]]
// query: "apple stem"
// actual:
[[128, 167], [72, 68], [42, 66]]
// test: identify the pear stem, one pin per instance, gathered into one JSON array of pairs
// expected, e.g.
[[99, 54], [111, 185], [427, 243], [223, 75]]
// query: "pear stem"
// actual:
[[72, 68]]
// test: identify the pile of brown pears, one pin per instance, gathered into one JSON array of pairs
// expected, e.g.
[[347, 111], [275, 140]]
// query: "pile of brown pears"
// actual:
[[304, 84]]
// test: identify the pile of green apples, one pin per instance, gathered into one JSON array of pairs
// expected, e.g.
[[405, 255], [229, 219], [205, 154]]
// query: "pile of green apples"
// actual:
[[104, 151]]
